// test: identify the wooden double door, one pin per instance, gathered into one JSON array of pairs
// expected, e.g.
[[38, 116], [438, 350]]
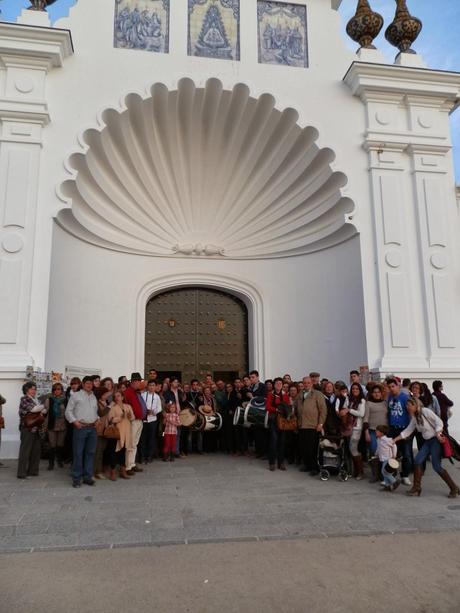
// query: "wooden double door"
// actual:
[[191, 332]]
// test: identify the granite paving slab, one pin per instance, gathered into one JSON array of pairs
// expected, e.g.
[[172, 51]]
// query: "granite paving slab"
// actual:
[[209, 499]]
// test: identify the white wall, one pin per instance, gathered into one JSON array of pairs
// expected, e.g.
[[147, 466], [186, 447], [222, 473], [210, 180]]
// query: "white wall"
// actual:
[[312, 306]]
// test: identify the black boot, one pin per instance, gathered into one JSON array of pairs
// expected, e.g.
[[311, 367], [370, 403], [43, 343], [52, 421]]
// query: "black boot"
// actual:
[[51, 455], [374, 464]]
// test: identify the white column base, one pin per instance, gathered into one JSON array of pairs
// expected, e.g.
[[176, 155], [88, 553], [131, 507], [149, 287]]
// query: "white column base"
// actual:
[[10, 388], [413, 60], [34, 18]]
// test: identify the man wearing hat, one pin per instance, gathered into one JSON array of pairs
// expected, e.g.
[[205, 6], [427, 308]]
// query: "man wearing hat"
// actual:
[[133, 397], [315, 377]]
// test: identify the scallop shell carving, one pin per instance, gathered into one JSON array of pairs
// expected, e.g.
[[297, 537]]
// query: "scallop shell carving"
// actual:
[[205, 172]]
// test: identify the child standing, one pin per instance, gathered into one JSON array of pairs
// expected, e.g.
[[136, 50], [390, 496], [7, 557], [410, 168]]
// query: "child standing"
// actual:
[[171, 422], [386, 450]]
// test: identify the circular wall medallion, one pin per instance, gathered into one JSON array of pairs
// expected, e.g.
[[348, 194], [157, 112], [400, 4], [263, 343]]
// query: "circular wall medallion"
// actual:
[[425, 121], [12, 243], [24, 84], [438, 260], [393, 259], [383, 117]]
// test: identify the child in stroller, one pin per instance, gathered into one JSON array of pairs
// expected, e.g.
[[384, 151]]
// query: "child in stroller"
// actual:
[[332, 458]]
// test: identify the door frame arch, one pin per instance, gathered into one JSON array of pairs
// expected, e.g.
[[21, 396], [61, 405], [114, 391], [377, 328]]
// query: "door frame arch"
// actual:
[[242, 289]]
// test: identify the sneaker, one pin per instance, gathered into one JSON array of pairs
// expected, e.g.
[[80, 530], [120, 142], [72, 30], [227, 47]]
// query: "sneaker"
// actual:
[[76, 484], [382, 483], [89, 481], [406, 481]]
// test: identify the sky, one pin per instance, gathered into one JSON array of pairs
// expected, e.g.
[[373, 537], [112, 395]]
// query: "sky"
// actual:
[[438, 43]]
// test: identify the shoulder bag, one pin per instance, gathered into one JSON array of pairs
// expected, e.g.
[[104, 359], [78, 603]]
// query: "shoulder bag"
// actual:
[[112, 432], [100, 427], [33, 420], [286, 419]]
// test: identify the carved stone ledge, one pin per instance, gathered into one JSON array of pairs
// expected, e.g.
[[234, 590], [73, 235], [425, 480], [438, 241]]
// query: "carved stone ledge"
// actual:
[[198, 249], [37, 45]]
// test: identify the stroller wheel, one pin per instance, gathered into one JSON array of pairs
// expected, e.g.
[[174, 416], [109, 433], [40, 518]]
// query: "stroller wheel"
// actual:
[[324, 475], [344, 476]]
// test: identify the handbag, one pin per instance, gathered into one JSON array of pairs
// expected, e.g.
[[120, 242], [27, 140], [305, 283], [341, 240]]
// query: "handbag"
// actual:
[[286, 424], [100, 428], [455, 448], [447, 448], [112, 432], [33, 420]]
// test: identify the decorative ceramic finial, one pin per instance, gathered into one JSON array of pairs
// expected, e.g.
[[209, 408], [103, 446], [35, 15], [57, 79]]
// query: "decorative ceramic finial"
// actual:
[[365, 25], [40, 5], [404, 29]]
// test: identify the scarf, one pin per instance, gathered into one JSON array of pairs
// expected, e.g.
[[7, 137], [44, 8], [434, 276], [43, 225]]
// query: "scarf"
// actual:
[[55, 405]]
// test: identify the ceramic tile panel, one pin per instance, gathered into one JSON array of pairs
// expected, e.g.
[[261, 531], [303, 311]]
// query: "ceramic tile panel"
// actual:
[[214, 29], [142, 24], [282, 32]]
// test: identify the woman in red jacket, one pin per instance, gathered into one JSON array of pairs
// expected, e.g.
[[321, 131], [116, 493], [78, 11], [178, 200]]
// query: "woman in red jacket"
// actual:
[[275, 402]]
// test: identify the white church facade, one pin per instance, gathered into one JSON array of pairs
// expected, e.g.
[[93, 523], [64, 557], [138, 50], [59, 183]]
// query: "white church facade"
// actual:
[[224, 145]]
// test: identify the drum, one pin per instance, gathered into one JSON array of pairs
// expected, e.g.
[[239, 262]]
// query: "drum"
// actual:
[[255, 415], [213, 423], [392, 466], [205, 409], [187, 417], [199, 423], [238, 418]]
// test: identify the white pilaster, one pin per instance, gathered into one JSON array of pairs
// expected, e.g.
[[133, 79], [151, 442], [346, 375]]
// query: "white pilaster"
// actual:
[[27, 54], [409, 268]]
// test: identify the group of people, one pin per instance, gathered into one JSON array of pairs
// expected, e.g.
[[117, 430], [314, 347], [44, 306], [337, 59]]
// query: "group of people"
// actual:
[[110, 429]]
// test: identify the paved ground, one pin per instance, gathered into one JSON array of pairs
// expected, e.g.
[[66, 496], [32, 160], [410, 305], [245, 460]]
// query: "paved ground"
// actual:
[[208, 499], [415, 573]]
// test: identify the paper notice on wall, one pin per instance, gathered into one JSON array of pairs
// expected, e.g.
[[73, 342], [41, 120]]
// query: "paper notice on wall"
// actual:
[[44, 380], [80, 372]]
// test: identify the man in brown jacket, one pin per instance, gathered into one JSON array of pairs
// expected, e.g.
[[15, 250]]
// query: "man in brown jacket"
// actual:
[[311, 413]]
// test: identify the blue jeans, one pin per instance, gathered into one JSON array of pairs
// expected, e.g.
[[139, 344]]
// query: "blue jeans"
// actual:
[[373, 443], [432, 448], [84, 448], [388, 478], [405, 450]]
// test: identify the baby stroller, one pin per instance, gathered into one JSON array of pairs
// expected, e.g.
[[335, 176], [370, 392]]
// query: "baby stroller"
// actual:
[[332, 458]]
